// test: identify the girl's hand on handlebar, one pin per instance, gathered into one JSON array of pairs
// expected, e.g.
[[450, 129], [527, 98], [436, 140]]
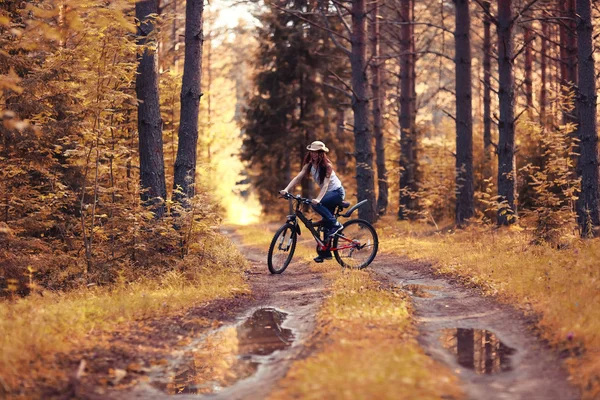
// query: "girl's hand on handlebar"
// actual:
[[283, 192]]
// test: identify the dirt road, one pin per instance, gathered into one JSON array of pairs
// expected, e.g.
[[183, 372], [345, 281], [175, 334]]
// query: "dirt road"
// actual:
[[270, 331], [488, 345]]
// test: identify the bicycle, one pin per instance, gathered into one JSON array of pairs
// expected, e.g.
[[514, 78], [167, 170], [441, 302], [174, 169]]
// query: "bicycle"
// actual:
[[355, 245]]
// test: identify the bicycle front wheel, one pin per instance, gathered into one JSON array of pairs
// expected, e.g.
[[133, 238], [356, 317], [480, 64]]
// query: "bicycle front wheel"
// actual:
[[282, 249], [356, 245]]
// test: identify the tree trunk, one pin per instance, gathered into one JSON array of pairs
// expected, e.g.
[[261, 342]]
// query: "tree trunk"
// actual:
[[382, 198], [588, 211], [307, 116], [363, 150], [487, 95], [528, 82], [407, 131], [507, 175], [152, 165], [185, 164], [568, 55], [341, 157], [465, 207], [543, 77]]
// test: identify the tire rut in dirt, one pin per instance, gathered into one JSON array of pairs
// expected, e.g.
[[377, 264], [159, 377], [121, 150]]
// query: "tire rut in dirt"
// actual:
[[295, 295], [489, 345]]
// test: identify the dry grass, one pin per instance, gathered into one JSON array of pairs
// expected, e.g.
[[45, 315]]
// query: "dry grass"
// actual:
[[561, 286], [34, 329], [365, 340], [370, 349]]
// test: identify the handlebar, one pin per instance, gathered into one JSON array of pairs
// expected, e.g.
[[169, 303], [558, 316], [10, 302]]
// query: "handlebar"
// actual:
[[298, 198]]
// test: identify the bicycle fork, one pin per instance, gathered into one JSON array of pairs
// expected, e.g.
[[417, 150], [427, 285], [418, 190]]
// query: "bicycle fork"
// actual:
[[288, 244]]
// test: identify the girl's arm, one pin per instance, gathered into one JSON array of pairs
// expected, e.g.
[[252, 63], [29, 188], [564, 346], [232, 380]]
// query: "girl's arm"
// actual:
[[324, 186], [297, 179], [323, 189]]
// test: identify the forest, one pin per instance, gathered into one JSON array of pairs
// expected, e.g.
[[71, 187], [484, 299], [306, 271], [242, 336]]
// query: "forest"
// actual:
[[144, 147]]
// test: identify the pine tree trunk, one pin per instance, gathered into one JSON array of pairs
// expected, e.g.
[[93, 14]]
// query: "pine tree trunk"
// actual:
[[382, 198], [152, 165], [528, 82], [507, 175], [543, 76], [588, 206], [360, 105], [568, 54], [465, 207], [487, 95], [341, 163], [307, 115], [406, 115], [185, 164]]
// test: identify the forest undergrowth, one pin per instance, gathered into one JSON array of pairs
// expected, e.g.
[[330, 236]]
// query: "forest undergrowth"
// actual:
[[557, 285], [365, 341]]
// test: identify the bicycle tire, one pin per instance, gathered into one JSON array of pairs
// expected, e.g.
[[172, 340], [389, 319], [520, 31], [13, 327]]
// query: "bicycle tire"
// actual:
[[274, 268], [374, 246]]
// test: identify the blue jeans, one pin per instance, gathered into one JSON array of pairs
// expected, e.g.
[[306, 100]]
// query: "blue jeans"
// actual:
[[327, 206]]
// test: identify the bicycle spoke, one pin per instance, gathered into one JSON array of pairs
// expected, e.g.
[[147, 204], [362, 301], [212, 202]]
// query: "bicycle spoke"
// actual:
[[281, 249], [359, 244]]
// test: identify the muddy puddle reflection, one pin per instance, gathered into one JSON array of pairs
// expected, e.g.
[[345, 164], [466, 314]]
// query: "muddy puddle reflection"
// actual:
[[478, 349], [231, 354]]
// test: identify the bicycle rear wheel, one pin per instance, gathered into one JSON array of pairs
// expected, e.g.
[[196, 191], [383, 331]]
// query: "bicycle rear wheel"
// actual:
[[356, 244], [282, 249]]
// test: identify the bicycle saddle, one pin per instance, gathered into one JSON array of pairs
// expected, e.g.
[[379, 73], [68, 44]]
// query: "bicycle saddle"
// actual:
[[344, 204]]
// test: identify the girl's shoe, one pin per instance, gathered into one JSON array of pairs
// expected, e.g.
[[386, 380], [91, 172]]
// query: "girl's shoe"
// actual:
[[334, 229], [322, 258]]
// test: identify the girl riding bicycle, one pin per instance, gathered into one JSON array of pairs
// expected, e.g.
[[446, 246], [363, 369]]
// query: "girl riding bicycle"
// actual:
[[332, 192]]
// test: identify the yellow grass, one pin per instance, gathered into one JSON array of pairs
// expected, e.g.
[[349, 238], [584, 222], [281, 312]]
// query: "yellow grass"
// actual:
[[370, 349], [561, 286], [35, 328], [365, 341]]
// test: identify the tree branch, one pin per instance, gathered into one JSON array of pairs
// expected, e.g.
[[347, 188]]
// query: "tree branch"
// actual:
[[448, 114], [331, 32], [523, 11], [339, 13], [342, 91], [533, 37], [443, 28], [493, 19]]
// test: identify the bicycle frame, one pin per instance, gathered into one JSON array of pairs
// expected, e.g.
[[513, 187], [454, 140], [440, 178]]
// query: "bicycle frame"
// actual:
[[293, 219]]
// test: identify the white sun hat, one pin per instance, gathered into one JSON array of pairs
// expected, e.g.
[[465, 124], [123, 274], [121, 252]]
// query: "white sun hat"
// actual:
[[317, 145]]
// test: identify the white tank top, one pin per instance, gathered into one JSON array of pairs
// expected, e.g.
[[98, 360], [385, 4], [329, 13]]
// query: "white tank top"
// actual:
[[334, 181]]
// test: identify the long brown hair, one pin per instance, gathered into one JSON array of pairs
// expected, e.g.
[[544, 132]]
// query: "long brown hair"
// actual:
[[323, 166]]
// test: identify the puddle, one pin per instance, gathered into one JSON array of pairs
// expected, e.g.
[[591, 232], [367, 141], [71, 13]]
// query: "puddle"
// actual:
[[420, 290], [230, 354], [478, 349], [262, 333]]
